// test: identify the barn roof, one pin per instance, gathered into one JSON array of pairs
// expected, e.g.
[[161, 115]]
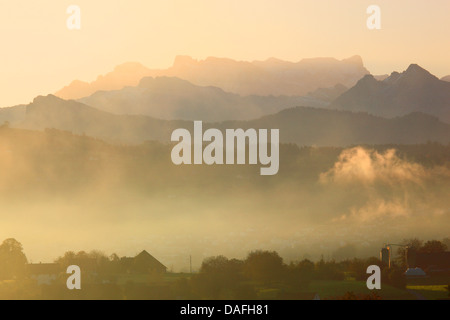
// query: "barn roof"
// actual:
[[145, 256]]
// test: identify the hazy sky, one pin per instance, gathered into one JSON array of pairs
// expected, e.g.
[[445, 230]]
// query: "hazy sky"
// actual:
[[39, 55]]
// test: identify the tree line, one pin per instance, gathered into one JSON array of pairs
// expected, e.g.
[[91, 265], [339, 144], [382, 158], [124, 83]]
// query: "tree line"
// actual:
[[218, 277]]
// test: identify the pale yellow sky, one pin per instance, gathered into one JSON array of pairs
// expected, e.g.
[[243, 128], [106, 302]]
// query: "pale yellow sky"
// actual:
[[39, 55]]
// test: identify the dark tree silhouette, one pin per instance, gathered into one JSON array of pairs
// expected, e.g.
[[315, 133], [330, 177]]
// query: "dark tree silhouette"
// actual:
[[218, 277], [264, 266], [412, 244], [12, 260], [433, 246]]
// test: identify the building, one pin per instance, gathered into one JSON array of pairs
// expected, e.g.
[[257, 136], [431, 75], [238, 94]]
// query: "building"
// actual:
[[415, 273], [44, 273], [94, 270], [143, 263]]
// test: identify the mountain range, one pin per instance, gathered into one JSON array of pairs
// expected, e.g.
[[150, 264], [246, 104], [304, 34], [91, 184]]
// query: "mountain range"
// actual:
[[321, 127], [134, 104], [217, 89], [169, 98], [300, 125], [12, 114], [270, 77], [414, 90], [172, 98]]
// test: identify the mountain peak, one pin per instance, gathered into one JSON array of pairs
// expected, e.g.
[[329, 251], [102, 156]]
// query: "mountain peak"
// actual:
[[413, 90], [416, 69], [393, 77], [181, 60], [417, 75], [367, 79], [356, 59], [46, 99]]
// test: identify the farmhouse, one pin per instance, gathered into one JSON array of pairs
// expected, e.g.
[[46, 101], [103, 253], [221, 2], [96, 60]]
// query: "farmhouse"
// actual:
[[44, 273], [143, 263]]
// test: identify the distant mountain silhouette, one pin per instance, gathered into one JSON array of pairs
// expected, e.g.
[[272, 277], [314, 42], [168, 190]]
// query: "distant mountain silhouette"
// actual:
[[127, 74], [12, 114], [312, 126], [414, 90], [303, 126], [446, 78], [54, 113], [270, 77], [327, 94], [173, 99], [381, 77]]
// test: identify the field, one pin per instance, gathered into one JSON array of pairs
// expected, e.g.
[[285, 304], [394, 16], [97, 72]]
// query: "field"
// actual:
[[428, 289], [335, 289], [331, 289]]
